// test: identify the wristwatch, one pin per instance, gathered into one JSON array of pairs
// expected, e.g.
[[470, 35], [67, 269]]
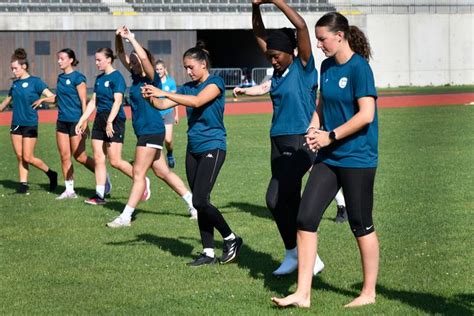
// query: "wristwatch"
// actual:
[[332, 136]]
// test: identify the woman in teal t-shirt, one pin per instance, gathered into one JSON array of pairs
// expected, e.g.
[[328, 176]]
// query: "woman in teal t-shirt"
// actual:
[[25, 93], [347, 157], [204, 98]]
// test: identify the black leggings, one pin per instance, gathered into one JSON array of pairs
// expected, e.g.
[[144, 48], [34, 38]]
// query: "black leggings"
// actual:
[[290, 160], [323, 184], [202, 170]]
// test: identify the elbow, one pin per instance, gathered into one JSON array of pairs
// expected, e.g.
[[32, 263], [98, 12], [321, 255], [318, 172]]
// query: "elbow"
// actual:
[[369, 118]]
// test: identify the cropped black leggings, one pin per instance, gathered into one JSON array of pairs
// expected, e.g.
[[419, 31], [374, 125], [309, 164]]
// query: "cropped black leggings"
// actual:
[[323, 184], [202, 170], [290, 160]]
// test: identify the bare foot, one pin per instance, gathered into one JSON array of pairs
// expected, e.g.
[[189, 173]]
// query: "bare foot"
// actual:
[[292, 300], [361, 301]]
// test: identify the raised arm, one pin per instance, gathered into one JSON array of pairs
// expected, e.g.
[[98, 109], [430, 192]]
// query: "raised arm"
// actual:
[[258, 26], [119, 50], [146, 62], [302, 33]]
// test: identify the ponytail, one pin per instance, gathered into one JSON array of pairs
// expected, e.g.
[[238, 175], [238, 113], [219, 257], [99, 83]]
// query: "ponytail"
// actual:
[[200, 53], [336, 22], [359, 43]]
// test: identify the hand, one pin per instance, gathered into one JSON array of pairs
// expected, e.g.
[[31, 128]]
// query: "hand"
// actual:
[[321, 139], [36, 104], [109, 130], [80, 127], [311, 139], [237, 91], [149, 91], [259, 2]]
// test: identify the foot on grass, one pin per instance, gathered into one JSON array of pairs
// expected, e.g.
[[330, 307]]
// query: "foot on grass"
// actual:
[[361, 301], [293, 300]]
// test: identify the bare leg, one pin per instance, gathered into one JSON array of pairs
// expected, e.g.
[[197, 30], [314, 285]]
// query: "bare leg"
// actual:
[[114, 151], [17, 142], [144, 157], [161, 170], [307, 245], [78, 149], [99, 158], [29, 144], [62, 140], [369, 252], [169, 137]]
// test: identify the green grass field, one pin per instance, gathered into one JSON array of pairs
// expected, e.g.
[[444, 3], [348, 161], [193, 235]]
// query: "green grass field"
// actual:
[[57, 257]]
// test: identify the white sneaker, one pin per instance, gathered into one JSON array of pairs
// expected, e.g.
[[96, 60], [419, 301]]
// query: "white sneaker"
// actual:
[[289, 264], [147, 194], [119, 222], [318, 266], [67, 195], [193, 213]]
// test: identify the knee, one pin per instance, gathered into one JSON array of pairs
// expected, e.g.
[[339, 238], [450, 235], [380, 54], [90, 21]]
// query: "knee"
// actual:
[[115, 163], [27, 158], [19, 157], [162, 174], [82, 159], [200, 202], [307, 221]]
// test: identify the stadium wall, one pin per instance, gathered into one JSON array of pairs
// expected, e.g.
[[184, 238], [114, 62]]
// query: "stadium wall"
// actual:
[[409, 49]]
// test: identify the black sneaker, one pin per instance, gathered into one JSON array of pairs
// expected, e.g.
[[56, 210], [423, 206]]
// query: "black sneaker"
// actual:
[[231, 249], [22, 189], [202, 260], [341, 216]]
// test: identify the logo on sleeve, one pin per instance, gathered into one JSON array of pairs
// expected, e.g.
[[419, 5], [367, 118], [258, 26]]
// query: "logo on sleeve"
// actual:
[[107, 84], [24, 84], [342, 82], [68, 81]]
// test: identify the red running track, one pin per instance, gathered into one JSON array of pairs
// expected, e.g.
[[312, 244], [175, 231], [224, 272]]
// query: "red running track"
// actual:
[[235, 108]]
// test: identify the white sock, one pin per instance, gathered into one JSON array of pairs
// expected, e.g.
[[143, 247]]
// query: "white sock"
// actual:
[[69, 185], [230, 237], [100, 190], [340, 201], [209, 252], [188, 198], [127, 212]]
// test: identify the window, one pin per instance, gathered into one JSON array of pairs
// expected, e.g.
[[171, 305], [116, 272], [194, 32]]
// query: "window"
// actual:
[[93, 46], [42, 48], [160, 47]]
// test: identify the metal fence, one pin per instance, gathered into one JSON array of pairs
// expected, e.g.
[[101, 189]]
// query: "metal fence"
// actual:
[[232, 76], [261, 74]]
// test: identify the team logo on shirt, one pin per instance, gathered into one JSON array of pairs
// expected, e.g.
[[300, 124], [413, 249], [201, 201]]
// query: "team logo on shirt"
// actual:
[[107, 84], [24, 84], [167, 88], [342, 82], [68, 82]]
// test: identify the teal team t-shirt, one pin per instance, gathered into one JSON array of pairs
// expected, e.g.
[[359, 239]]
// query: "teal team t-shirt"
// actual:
[[105, 86], [169, 86], [341, 87], [206, 129], [293, 95], [69, 103], [24, 92], [146, 119]]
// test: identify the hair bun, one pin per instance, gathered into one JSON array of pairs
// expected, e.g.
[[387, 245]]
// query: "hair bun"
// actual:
[[19, 53], [202, 45]]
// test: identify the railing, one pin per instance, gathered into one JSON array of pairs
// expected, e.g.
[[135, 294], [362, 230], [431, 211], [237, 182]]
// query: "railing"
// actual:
[[261, 74], [232, 76]]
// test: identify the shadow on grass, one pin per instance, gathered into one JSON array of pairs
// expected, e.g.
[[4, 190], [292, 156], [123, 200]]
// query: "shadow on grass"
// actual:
[[172, 245], [255, 210], [9, 184]]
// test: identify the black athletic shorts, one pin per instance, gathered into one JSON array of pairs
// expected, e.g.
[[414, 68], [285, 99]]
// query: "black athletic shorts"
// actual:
[[25, 131], [66, 127], [153, 141], [100, 123]]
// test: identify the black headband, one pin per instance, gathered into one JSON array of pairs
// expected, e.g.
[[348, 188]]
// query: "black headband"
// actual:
[[283, 40]]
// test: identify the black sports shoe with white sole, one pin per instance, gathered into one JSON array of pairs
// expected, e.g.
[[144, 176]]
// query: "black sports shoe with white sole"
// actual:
[[202, 260], [231, 249]]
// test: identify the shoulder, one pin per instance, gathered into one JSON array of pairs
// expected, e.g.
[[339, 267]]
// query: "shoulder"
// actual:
[[219, 81], [359, 61]]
